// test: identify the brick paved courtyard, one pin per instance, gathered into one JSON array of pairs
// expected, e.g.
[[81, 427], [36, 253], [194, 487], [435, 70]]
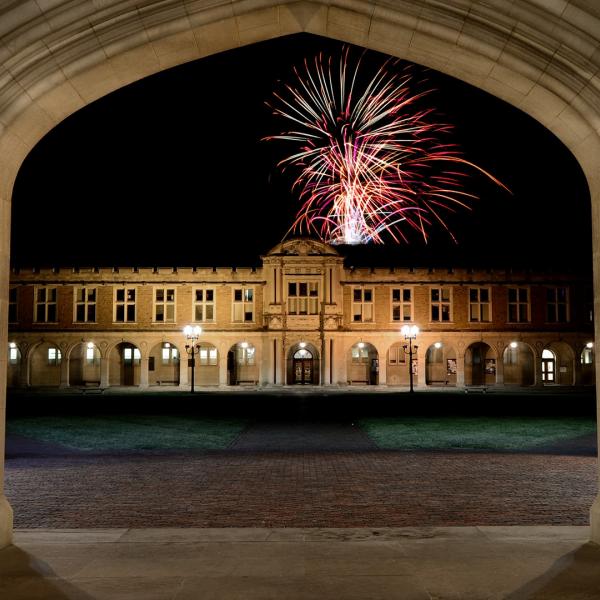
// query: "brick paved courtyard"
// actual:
[[298, 475]]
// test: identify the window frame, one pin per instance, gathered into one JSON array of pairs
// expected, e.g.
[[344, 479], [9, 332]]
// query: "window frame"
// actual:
[[439, 304], [401, 304], [243, 303], [556, 303], [204, 303], [86, 303], [13, 304], [125, 303], [45, 303], [518, 303], [480, 304], [362, 303], [310, 300], [165, 303]]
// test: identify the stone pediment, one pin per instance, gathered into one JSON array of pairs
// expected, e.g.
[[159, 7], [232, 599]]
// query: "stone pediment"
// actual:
[[302, 247]]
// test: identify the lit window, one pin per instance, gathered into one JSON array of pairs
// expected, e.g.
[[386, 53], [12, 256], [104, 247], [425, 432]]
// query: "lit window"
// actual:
[[45, 305], [245, 354], [243, 305], [518, 305], [402, 304], [557, 305], [207, 355], [169, 354], [85, 305], [131, 354], [204, 305], [164, 305], [360, 354], [362, 305], [479, 305], [90, 353], [54, 356], [13, 353], [587, 356], [124, 305], [441, 304], [303, 298]]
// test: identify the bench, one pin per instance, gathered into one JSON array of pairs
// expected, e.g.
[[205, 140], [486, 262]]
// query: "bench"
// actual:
[[476, 388], [247, 382], [439, 382], [358, 382], [167, 382]]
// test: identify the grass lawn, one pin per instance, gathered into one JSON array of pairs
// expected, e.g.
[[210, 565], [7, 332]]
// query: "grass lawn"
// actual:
[[129, 432], [477, 433]]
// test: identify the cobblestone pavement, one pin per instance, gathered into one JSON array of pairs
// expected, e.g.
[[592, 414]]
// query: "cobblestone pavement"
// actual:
[[302, 478]]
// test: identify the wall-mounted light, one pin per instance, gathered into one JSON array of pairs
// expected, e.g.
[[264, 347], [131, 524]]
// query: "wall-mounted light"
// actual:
[[361, 345], [244, 345], [513, 344], [437, 345], [302, 344], [589, 345]]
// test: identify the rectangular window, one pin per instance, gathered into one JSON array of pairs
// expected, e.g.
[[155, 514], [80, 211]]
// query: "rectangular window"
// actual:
[[13, 353], [169, 355], [12, 305], [362, 305], [207, 355], [518, 305], [360, 354], [303, 298], [397, 355], [480, 305], [245, 355], [441, 304], [243, 305], [132, 355], [54, 356], [124, 305], [557, 305], [204, 305], [402, 309], [85, 305], [164, 305], [45, 305]]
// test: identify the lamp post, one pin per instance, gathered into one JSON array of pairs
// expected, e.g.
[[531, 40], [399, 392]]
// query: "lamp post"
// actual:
[[410, 333], [192, 333]]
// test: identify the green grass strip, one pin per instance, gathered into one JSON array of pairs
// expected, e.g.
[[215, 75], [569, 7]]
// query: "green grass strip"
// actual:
[[474, 433], [129, 432]]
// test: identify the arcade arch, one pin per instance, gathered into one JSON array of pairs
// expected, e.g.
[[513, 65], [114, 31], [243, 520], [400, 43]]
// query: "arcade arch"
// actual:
[[440, 365], [363, 364], [542, 58], [303, 364], [480, 364]]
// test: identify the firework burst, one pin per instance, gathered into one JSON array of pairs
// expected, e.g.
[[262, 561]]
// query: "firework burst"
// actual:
[[370, 163]]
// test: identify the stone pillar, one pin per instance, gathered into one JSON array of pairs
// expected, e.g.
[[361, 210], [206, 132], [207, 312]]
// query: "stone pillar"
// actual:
[[144, 372], [460, 370], [104, 375], [183, 369], [382, 369], [593, 175], [421, 378], [6, 514], [223, 369], [577, 369], [64, 371], [500, 369], [24, 370]]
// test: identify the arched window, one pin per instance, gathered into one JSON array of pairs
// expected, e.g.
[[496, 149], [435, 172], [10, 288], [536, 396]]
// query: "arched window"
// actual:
[[303, 353]]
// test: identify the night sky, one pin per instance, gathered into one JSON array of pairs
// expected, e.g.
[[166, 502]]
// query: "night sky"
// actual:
[[172, 171]]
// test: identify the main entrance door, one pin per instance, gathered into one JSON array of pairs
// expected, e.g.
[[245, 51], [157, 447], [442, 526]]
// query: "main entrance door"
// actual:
[[302, 367]]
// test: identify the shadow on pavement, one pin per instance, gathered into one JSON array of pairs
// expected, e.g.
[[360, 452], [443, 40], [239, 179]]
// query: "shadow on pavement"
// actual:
[[574, 575], [24, 577]]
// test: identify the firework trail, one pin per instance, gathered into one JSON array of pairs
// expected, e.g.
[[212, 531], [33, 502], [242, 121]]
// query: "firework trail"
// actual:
[[370, 163]]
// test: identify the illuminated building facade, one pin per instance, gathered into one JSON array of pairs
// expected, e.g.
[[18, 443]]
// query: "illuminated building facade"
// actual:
[[302, 318]]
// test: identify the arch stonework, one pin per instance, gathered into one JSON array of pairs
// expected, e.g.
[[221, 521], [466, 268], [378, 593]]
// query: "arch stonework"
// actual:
[[543, 57]]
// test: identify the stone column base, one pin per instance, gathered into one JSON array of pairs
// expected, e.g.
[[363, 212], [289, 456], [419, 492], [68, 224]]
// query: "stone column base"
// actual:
[[595, 520], [6, 522]]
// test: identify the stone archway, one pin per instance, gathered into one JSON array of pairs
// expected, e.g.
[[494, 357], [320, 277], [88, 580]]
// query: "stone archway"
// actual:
[[543, 58]]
